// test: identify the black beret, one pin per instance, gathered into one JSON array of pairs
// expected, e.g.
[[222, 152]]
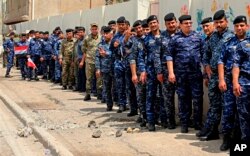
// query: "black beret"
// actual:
[[240, 19], [57, 28], [207, 20], [219, 15], [137, 23], [46, 32], [76, 27], [169, 17], [111, 22], [121, 19], [144, 23], [184, 17], [31, 31], [69, 30], [23, 34], [106, 29], [41, 32], [80, 28], [151, 18]]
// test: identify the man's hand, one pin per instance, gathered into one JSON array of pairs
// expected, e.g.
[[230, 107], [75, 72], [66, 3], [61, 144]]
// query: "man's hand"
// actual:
[[54, 57], [116, 43], [208, 71], [237, 89], [98, 74], [143, 77], [222, 85], [28, 56], [135, 79], [41, 59], [102, 52], [160, 78], [171, 77], [60, 61], [81, 64], [206, 82]]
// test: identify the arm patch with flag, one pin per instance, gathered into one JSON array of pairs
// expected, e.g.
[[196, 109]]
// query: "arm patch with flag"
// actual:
[[21, 50], [31, 64]]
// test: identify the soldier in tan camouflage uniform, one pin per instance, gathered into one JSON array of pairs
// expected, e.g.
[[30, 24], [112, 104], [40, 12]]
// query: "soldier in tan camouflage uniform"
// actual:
[[66, 59], [89, 49]]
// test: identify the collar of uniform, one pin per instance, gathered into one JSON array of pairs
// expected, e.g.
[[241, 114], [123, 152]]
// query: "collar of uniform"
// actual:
[[70, 40], [223, 32], [191, 33], [97, 36]]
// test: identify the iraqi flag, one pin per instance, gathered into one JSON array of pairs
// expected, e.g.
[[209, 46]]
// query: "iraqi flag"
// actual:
[[21, 50], [31, 64]]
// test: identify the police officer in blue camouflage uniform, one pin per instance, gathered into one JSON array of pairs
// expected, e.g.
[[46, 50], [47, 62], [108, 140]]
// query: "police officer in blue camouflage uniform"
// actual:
[[210, 60], [22, 58], [104, 65], [184, 56], [148, 72], [168, 88], [137, 47], [8, 46], [48, 63], [225, 65], [58, 67], [34, 52], [119, 68], [241, 81]]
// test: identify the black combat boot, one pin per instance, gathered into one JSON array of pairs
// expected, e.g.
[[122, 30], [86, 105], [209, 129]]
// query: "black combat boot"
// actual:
[[121, 109], [226, 142], [87, 97], [151, 127]]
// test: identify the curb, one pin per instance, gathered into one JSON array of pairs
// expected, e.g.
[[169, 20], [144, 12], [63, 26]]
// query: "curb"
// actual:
[[44, 137]]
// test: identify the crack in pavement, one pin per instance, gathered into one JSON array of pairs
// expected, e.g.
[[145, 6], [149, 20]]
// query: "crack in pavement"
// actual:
[[53, 99]]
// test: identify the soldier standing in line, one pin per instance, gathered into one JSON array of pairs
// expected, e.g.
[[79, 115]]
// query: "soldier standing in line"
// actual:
[[8, 46]]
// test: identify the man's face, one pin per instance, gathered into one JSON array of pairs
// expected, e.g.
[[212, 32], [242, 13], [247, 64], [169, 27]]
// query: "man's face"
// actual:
[[139, 30], [171, 25], [146, 30], [46, 36], [108, 36], [208, 28], [41, 35], [240, 29], [69, 35], [121, 27], [23, 38], [220, 25], [61, 35], [186, 26], [37, 35], [113, 27], [81, 33], [153, 25], [12, 36], [94, 30]]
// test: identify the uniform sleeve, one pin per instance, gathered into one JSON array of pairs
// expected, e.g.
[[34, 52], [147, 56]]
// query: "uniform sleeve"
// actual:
[[29, 48], [84, 46], [97, 59], [55, 49], [141, 60], [157, 56], [207, 54], [5, 45], [170, 50], [222, 57], [61, 55], [237, 56]]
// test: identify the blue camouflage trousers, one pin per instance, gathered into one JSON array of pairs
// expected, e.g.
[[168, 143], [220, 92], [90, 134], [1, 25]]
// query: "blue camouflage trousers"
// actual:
[[22, 64], [229, 109], [120, 80], [141, 98], [107, 84], [215, 101], [154, 98], [10, 62], [131, 91], [243, 108], [58, 70], [190, 83], [168, 90]]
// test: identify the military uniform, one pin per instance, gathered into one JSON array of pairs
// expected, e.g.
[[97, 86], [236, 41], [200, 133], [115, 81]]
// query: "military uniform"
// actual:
[[35, 51], [66, 53], [58, 67], [105, 66], [212, 53], [48, 63], [9, 48], [186, 53], [241, 60], [22, 59], [89, 47]]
